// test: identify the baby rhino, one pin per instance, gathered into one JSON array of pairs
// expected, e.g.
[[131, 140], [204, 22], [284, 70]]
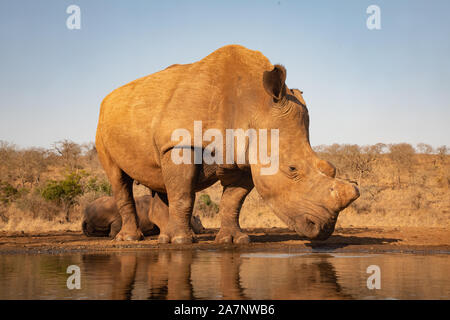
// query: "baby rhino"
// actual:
[[101, 217]]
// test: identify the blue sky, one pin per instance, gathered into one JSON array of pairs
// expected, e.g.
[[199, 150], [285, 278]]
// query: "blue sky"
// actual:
[[361, 86]]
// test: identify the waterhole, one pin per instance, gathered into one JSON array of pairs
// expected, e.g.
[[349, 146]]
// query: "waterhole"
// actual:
[[203, 274]]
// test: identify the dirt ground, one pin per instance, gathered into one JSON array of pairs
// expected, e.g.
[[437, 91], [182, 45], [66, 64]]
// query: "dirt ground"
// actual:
[[417, 240]]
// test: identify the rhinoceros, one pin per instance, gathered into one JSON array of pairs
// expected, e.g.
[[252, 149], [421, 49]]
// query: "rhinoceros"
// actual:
[[101, 217], [231, 88]]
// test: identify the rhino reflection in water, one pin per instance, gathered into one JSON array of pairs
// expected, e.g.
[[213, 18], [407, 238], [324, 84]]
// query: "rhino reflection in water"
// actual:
[[188, 275], [232, 88], [165, 275]]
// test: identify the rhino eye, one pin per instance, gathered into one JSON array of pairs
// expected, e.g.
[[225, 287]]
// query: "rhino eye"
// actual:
[[292, 172]]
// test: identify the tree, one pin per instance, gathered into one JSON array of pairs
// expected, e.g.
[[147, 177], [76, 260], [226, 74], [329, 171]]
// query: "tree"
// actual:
[[424, 148], [7, 156], [444, 177], [402, 154], [7, 193], [69, 152], [360, 159], [442, 152], [351, 159], [64, 192], [30, 164], [379, 148]]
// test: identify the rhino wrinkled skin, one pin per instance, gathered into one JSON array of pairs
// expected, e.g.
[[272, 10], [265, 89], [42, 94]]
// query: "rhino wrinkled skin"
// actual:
[[231, 88]]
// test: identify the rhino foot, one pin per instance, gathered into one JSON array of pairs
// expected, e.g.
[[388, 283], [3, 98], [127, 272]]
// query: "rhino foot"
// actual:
[[129, 236], [232, 236], [177, 239]]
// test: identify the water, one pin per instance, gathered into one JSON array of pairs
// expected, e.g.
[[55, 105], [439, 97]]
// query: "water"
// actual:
[[224, 275]]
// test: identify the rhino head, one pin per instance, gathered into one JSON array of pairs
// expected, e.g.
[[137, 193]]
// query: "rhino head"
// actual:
[[304, 192]]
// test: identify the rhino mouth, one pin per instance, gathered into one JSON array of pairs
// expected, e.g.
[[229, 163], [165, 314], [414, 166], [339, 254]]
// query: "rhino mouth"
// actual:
[[314, 227], [315, 222]]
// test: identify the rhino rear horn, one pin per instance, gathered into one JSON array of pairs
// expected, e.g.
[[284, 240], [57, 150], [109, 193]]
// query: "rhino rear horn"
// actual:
[[274, 82]]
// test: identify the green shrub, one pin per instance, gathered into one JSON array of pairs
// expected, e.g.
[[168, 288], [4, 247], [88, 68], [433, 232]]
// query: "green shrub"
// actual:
[[8, 193], [64, 192], [205, 199], [102, 187], [207, 207]]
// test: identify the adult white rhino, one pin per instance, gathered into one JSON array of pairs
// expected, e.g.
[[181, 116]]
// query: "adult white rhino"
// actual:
[[232, 88]]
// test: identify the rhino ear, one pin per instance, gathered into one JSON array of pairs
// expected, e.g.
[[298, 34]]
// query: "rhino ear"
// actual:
[[274, 82]]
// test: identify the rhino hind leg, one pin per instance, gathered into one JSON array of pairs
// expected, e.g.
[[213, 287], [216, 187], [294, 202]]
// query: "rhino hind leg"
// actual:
[[180, 181], [122, 186], [231, 202]]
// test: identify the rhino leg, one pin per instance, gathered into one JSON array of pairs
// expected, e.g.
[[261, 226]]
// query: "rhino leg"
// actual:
[[179, 180], [90, 231], [116, 225], [158, 211], [179, 286], [122, 186], [230, 279], [231, 202]]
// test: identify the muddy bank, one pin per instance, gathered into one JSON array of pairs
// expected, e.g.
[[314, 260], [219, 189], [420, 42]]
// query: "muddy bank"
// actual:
[[414, 240]]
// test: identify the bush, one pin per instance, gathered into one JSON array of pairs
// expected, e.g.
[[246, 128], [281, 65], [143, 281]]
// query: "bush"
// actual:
[[102, 187], [33, 203], [8, 193], [64, 192], [402, 154], [207, 207], [205, 199]]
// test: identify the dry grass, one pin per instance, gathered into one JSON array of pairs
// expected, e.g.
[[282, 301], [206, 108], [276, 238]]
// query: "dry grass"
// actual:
[[38, 225]]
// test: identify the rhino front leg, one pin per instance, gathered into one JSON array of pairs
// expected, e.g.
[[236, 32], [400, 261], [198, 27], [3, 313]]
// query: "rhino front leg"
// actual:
[[233, 197], [179, 180]]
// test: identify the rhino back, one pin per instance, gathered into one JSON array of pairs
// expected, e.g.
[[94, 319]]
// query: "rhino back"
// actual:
[[137, 120]]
